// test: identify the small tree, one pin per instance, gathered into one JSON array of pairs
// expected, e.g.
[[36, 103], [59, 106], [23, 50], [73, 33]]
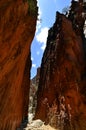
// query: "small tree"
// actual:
[[65, 10]]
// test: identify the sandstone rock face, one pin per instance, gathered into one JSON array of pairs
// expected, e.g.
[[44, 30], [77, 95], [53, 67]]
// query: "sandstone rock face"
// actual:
[[33, 93], [62, 85], [17, 28]]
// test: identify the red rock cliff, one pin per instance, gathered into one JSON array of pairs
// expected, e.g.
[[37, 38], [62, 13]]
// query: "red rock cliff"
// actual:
[[62, 75], [17, 28]]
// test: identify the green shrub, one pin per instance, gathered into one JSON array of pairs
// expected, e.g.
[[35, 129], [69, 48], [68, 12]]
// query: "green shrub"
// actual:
[[32, 7]]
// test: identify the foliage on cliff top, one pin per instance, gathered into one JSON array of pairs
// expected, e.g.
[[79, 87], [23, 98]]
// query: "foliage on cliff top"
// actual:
[[33, 7]]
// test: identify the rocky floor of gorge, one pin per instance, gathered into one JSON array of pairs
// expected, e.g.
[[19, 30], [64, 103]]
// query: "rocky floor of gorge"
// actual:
[[38, 125]]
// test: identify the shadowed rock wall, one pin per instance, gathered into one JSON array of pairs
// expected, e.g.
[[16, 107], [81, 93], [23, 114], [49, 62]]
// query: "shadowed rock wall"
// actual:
[[17, 28], [62, 76]]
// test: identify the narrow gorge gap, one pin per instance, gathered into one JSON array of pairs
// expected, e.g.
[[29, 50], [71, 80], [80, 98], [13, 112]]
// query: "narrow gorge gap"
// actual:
[[39, 43], [62, 85]]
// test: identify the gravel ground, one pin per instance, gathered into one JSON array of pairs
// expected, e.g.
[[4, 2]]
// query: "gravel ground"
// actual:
[[38, 125]]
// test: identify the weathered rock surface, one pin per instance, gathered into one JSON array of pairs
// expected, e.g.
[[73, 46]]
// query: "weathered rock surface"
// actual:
[[62, 84], [17, 28], [33, 95]]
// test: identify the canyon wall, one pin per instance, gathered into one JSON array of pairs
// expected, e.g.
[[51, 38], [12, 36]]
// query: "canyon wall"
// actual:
[[61, 96], [33, 95], [17, 28]]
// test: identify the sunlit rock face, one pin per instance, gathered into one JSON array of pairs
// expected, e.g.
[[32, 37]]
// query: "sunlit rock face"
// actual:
[[17, 28], [61, 96]]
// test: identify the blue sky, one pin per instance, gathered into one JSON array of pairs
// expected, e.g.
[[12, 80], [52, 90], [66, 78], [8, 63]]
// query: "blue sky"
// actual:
[[47, 13]]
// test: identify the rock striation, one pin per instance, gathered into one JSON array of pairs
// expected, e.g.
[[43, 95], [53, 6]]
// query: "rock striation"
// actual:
[[17, 28], [61, 96]]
